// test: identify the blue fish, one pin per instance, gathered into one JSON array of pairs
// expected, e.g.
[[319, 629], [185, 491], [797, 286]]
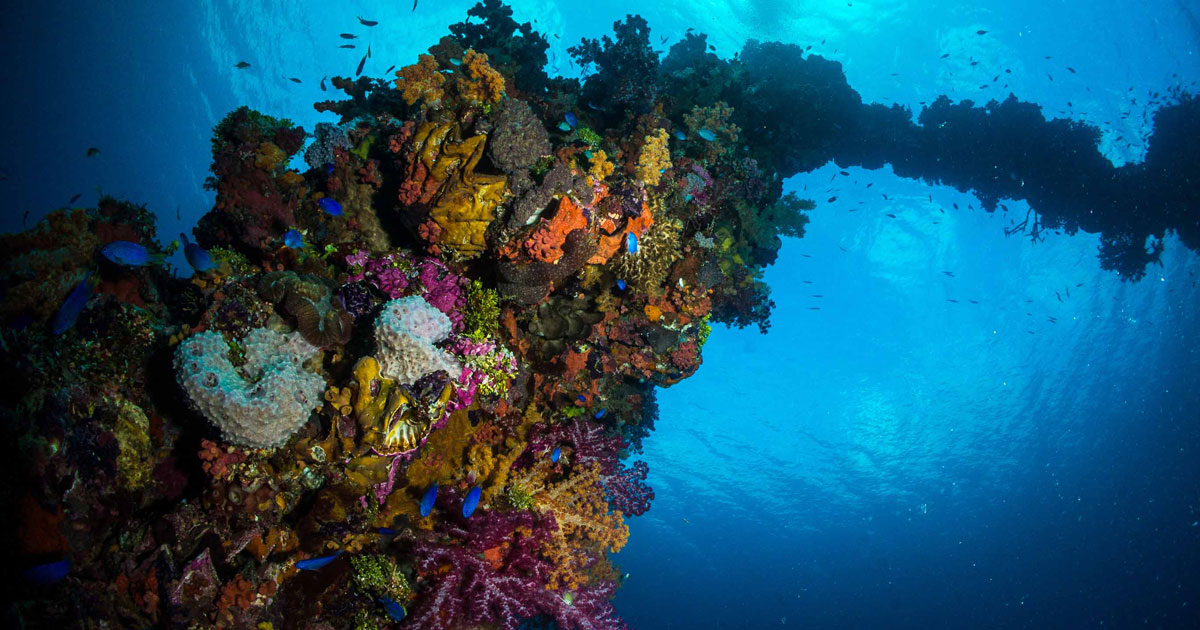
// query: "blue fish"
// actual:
[[47, 574], [129, 253], [555, 455], [571, 119], [600, 414], [392, 608], [428, 499], [387, 531], [707, 134], [314, 564], [679, 135], [65, 318], [331, 206], [631, 242], [329, 168], [621, 285], [471, 502], [293, 239], [581, 398], [562, 126], [196, 256]]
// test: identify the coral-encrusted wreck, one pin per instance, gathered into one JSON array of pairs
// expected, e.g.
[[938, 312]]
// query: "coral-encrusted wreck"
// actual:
[[472, 290]]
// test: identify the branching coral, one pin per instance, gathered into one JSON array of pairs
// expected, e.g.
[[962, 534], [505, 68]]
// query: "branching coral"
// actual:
[[421, 81], [654, 159], [481, 84]]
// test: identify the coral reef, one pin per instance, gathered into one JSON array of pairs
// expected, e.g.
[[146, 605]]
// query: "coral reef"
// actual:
[[497, 270]]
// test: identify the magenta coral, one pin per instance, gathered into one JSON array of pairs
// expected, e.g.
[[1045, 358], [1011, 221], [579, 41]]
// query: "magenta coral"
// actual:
[[626, 489], [443, 289]]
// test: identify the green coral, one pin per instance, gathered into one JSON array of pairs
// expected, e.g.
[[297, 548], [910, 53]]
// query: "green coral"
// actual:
[[238, 264], [518, 497], [588, 136], [242, 120], [377, 575], [705, 329], [482, 316]]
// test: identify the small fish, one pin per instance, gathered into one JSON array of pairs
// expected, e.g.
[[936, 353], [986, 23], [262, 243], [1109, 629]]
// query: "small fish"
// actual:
[[870, 184], [75, 198], [1058, 296], [981, 32], [331, 206], [600, 414], [973, 301], [571, 119], [196, 256], [662, 40], [631, 242], [471, 502], [294, 80], [891, 216], [818, 295], [621, 285], [1072, 70], [347, 46], [129, 253], [49, 573], [555, 455], [831, 199], [415, 4], [581, 398], [65, 318], [366, 23], [314, 564], [950, 300], [679, 135], [568, 598], [1029, 331], [323, 83], [814, 308], [948, 273], [348, 36], [428, 499], [293, 239], [92, 152], [390, 68], [807, 281], [944, 56], [360, 66], [707, 134], [844, 173], [563, 126], [368, 51], [242, 65], [392, 608]]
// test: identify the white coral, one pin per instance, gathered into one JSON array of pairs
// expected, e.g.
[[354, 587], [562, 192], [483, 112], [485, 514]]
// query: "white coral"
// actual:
[[262, 404], [405, 333]]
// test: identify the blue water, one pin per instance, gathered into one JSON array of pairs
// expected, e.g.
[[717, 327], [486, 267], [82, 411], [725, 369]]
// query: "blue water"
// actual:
[[891, 460]]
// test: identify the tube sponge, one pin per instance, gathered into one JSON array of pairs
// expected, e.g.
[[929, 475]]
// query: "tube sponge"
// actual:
[[405, 332], [262, 403]]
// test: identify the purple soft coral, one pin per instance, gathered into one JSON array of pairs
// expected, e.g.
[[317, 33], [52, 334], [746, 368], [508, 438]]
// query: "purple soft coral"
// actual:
[[492, 572]]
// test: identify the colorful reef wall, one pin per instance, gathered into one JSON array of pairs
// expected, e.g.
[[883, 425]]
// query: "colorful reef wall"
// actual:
[[407, 376]]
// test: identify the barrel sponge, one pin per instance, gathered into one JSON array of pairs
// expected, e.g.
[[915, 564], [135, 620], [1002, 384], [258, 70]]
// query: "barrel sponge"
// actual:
[[263, 402], [405, 332]]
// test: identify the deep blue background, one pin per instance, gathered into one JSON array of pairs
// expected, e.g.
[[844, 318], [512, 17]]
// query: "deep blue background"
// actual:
[[891, 460]]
